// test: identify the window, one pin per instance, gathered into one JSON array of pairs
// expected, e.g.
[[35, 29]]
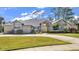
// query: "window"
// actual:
[[18, 25]]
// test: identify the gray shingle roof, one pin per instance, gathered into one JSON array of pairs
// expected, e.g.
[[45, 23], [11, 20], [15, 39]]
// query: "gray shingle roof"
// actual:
[[8, 23], [33, 22], [71, 23]]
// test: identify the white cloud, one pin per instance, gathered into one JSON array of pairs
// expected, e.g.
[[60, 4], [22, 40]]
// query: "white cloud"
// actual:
[[26, 16], [41, 12], [33, 11], [22, 18], [37, 12], [34, 16], [23, 14], [75, 17]]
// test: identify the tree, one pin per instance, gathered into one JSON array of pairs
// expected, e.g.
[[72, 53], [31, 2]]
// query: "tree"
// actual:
[[56, 26], [50, 18], [68, 14], [63, 12], [1, 20], [56, 12], [1, 24]]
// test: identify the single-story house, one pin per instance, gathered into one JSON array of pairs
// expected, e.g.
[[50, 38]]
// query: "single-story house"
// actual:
[[62, 25], [30, 26], [76, 21]]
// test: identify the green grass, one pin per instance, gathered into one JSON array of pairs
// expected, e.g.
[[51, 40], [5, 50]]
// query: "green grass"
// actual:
[[76, 35], [74, 50], [12, 43]]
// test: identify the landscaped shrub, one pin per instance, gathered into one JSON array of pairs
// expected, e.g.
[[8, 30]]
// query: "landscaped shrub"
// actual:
[[11, 32], [66, 30], [56, 31], [73, 30], [1, 28], [33, 32], [19, 32], [78, 31], [56, 26], [78, 26]]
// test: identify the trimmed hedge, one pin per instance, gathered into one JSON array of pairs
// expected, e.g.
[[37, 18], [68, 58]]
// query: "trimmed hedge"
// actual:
[[19, 32]]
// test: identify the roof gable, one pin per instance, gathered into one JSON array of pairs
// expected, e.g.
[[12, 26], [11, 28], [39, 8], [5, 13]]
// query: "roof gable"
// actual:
[[33, 22], [64, 21]]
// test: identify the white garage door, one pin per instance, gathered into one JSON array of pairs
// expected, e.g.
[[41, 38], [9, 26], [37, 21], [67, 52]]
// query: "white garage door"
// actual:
[[27, 29]]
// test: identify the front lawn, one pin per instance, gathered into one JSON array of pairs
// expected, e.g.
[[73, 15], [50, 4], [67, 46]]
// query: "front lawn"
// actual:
[[71, 35], [12, 43]]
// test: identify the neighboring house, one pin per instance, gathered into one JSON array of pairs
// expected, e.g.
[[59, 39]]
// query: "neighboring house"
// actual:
[[76, 21], [63, 24], [30, 26]]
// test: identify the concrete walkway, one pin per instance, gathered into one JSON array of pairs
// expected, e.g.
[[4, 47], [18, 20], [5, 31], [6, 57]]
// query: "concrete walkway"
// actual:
[[74, 41]]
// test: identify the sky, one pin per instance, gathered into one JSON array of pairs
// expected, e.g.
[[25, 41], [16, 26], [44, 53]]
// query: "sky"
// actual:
[[25, 13]]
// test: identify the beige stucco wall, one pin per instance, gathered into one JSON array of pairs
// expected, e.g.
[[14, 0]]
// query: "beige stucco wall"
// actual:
[[17, 24], [8, 28], [65, 24], [44, 28], [27, 28], [50, 27]]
